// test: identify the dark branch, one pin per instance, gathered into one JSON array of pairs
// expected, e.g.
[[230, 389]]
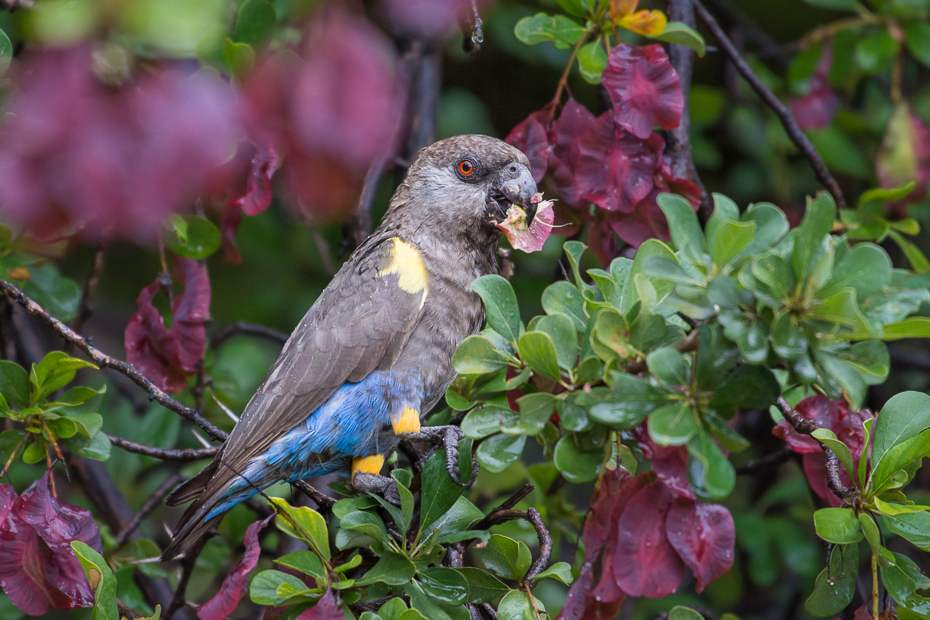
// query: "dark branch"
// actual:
[[679, 139], [506, 507], [187, 567], [781, 110], [761, 464], [806, 427], [150, 504], [323, 501], [101, 359], [182, 456], [545, 548], [248, 329]]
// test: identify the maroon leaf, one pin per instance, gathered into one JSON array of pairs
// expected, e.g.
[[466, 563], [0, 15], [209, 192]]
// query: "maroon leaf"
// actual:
[[564, 137], [601, 238], [582, 606], [643, 561], [816, 109], [168, 357], [327, 608], [532, 137], [645, 222], [815, 468], [234, 586], [257, 197], [704, 536], [818, 409], [8, 499], [38, 569], [229, 224], [670, 463], [615, 169], [644, 88]]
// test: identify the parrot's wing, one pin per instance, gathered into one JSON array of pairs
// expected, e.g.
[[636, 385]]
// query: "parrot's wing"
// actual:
[[360, 323]]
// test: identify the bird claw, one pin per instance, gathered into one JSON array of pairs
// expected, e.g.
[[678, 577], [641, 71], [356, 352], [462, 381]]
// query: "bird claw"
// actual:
[[379, 485], [448, 437]]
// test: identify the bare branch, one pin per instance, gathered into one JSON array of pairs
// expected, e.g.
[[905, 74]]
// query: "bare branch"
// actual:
[[181, 456], [247, 329], [781, 110], [545, 548], [761, 464], [101, 359], [323, 501]]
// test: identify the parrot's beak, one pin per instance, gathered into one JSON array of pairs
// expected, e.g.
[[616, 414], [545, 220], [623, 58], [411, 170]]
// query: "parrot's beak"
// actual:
[[514, 185]]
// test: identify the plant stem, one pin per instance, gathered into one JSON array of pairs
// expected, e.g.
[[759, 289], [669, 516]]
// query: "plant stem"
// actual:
[[568, 68], [874, 586]]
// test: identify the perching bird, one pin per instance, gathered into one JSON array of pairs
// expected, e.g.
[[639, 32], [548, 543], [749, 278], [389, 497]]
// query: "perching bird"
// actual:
[[373, 355]]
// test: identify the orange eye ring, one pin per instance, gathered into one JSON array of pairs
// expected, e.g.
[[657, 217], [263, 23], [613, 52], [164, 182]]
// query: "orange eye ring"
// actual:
[[466, 167]]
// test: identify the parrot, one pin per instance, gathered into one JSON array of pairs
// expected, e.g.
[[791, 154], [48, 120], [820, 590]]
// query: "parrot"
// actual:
[[373, 355]]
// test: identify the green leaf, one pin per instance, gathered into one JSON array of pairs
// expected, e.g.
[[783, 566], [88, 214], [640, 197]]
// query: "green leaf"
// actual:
[[838, 525], [841, 308], [439, 494], [836, 584], [538, 351], [561, 30], [560, 570], [839, 448], [682, 34], [771, 226], [482, 585], [476, 355], [486, 420], [917, 38], [97, 447], [817, 223], [88, 424], [193, 236], [683, 225], [101, 579], [6, 52], [731, 239], [670, 366], [304, 524], [59, 295], [501, 304], [564, 298], [424, 604], [898, 457], [917, 259], [903, 579], [445, 585], [306, 562], [573, 7], [457, 519], [913, 327], [264, 587], [710, 472], [887, 194], [255, 21], [56, 370], [14, 384], [535, 411], [573, 414], [498, 452], [35, 451], [683, 613], [748, 387], [592, 59], [914, 527], [631, 400], [866, 268], [507, 557], [516, 605], [672, 425], [562, 331], [576, 465], [902, 417], [392, 569]]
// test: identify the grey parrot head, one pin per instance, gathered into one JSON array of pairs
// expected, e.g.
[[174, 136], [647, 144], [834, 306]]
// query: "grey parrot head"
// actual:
[[466, 184]]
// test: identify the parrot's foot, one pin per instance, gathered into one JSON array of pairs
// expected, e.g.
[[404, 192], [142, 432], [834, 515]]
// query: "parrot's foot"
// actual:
[[379, 485], [448, 437]]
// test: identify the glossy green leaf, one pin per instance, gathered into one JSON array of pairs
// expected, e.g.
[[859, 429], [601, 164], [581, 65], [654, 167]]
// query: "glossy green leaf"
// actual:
[[682, 34], [498, 452], [97, 447], [710, 472], [503, 314], [898, 457], [14, 384], [731, 239], [817, 223], [445, 585], [392, 569], [670, 366], [6, 52], [255, 21], [838, 525], [562, 331], [538, 351], [56, 370], [902, 417], [564, 298], [903, 579], [838, 447], [573, 413], [264, 587], [913, 327], [672, 425], [914, 527], [535, 411], [456, 519], [482, 585], [592, 59], [632, 400], [488, 419], [683, 226], [101, 580], [836, 584], [439, 492], [59, 295], [887, 194], [841, 308], [562, 31], [865, 267], [507, 557], [304, 524], [516, 605], [575, 464], [476, 355], [560, 570], [683, 613], [192, 236], [306, 562], [748, 387]]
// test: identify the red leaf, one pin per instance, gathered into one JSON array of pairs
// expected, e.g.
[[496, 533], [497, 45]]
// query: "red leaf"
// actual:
[[564, 136], [257, 197], [581, 606], [704, 536], [38, 569], [644, 88], [815, 468], [645, 222], [234, 586], [328, 608], [532, 137], [816, 109], [615, 169], [818, 409], [670, 463], [601, 238], [229, 224], [169, 357], [8, 499], [643, 561]]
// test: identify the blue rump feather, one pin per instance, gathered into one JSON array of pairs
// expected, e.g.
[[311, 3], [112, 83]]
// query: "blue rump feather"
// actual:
[[350, 424]]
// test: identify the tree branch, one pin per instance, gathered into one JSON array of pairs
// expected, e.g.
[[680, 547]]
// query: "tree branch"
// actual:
[[150, 504], [761, 464], [781, 110], [181, 456], [545, 548], [249, 329], [101, 359], [323, 501]]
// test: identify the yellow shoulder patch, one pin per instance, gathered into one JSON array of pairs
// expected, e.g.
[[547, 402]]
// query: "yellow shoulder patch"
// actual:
[[407, 263], [367, 464], [408, 422]]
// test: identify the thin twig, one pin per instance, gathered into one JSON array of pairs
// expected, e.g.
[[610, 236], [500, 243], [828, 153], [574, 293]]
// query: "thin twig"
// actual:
[[150, 504], [246, 329], [514, 499], [761, 464], [781, 110], [163, 454], [323, 501], [805, 427], [101, 359], [187, 567], [545, 549]]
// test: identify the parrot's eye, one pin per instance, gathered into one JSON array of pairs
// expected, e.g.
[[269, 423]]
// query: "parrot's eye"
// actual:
[[466, 168]]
